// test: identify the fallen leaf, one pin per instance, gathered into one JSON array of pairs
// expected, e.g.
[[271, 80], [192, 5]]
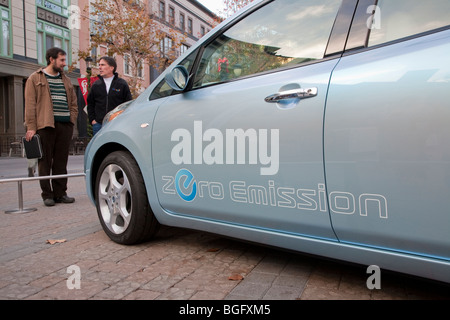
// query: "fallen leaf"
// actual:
[[235, 277], [56, 241]]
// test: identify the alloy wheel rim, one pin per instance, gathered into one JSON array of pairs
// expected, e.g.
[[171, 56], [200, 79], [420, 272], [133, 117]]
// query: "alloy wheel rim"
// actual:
[[114, 194]]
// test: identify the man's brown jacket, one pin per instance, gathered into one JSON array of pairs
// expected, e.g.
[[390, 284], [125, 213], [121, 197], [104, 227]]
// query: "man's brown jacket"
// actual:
[[39, 105]]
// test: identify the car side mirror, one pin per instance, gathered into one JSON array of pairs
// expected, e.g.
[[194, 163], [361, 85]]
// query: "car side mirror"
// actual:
[[178, 78]]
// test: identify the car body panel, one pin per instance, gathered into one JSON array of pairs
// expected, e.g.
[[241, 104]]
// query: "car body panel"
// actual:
[[387, 134], [120, 135], [288, 198]]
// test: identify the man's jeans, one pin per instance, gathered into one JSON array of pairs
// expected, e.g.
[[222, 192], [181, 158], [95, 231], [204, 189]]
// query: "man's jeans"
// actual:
[[96, 128]]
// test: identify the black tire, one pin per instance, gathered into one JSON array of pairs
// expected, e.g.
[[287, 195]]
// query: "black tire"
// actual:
[[122, 204]]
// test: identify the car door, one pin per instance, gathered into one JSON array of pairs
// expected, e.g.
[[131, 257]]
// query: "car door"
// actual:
[[387, 135], [244, 145]]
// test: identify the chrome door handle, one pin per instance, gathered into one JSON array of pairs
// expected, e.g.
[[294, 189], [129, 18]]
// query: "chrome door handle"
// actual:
[[292, 94]]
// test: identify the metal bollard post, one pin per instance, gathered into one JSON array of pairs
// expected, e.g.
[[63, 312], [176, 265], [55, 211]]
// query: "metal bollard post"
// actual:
[[21, 209], [20, 180]]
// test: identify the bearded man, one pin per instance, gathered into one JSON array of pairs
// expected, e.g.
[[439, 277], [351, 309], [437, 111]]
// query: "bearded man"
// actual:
[[51, 110]]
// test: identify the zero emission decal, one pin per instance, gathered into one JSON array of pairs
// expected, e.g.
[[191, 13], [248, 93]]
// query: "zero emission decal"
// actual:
[[188, 188]]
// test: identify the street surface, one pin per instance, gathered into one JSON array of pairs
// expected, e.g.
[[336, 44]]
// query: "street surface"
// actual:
[[62, 253]]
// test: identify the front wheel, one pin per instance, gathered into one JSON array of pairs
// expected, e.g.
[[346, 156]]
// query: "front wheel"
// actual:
[[122, 203]]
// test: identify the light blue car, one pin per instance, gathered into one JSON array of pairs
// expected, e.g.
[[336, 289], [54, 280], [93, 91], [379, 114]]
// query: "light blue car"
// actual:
[[321, 126]]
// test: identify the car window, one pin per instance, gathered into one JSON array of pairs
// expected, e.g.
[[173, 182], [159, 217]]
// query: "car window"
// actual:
[[282, 33], [163, 89], [402, 18]]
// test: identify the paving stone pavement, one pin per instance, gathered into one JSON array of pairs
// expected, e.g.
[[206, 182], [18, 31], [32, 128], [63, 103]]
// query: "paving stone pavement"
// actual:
[[178, 264]]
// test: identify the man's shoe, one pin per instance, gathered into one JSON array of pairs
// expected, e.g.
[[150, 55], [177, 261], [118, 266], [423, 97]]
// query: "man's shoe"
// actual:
[[49, 202], [65, 199]]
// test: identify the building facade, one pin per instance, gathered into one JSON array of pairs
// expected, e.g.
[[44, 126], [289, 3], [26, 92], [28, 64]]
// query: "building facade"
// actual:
[[30, 27], [188, 17]]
